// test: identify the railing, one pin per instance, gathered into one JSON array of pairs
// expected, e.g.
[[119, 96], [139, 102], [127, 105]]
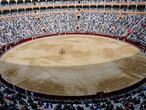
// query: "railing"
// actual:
[[65, 11]]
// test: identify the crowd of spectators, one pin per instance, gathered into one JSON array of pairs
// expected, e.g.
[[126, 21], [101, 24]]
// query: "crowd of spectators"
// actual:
[[132, 26], [133, 100], [138, 33]]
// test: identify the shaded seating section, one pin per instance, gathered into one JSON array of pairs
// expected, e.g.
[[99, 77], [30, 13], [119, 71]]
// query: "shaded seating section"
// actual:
[[133, 100]]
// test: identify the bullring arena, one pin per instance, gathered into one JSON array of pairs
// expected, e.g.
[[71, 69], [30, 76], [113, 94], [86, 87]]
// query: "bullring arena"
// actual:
[[88, 64], [72, 55]]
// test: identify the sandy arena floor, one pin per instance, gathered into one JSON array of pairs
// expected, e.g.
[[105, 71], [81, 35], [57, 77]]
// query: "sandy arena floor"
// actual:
[[90, 64]]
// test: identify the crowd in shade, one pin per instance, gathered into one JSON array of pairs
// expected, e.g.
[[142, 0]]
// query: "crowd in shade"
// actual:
[[47, 2], [133, 100], [132, 26]]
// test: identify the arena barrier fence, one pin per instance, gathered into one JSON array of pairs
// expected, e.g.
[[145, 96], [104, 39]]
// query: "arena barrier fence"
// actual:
[[96, 96]]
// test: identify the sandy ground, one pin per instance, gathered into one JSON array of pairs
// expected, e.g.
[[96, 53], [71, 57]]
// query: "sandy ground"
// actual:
[[90, 64]]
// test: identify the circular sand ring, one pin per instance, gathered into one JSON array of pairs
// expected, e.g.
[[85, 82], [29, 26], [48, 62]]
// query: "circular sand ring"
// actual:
[[85, 66]]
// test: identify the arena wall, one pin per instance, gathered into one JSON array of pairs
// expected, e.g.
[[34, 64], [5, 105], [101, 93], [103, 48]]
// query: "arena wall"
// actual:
[[5, 48]]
